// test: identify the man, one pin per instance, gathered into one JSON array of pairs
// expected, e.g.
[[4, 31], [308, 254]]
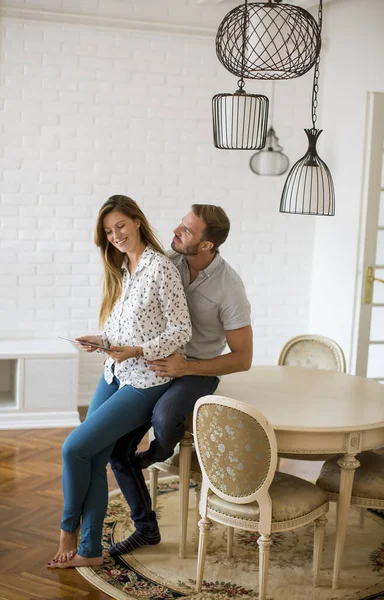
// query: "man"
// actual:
[[220, 315]]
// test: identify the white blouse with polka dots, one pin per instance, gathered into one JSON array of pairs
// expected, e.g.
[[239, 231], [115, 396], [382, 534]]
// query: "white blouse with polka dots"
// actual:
[[151, 312]]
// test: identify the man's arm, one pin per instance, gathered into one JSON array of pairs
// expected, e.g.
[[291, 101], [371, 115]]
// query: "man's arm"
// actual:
[[238, 359]]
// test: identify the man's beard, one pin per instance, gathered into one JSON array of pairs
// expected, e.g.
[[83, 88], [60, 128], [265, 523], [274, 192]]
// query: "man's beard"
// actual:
[[186, 250]]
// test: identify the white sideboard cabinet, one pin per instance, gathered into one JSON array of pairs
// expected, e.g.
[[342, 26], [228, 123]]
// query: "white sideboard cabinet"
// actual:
[[38, 384]]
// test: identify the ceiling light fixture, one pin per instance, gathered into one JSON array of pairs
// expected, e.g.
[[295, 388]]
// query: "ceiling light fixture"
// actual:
[[309, 188], [271, 160]]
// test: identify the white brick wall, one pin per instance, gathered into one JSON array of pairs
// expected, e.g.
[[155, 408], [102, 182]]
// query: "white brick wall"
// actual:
[[176, 13], [92, 112]]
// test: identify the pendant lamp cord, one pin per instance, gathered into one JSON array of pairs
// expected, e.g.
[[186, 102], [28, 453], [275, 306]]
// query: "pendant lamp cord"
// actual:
[[241, 82], [316, 73], [272, 104]]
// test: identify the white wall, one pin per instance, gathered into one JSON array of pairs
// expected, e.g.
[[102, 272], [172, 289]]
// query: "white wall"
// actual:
[[182, 14], [89, 112], [351, 65]]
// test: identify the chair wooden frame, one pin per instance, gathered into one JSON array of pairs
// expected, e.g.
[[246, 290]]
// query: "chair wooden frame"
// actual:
[[265, 525]]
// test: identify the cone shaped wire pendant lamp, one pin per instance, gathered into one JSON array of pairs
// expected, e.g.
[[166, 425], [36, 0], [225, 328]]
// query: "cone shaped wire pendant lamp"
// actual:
[[271, 160], [240, 119], [309, 189]]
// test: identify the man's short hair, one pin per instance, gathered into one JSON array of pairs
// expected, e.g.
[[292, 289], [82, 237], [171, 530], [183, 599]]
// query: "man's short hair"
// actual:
[[216, 221]]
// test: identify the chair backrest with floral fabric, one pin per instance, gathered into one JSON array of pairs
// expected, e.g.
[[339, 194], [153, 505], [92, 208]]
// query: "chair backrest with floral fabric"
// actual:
[[313, 352], [237, 451]]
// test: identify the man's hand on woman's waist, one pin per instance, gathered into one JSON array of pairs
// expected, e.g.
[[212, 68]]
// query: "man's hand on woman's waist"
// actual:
[[172, 366]]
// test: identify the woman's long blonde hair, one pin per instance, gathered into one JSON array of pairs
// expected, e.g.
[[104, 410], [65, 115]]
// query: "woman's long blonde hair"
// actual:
[[111, 256]]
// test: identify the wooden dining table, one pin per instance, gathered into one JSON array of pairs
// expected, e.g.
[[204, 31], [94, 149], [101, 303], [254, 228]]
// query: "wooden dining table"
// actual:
[[316, 413]]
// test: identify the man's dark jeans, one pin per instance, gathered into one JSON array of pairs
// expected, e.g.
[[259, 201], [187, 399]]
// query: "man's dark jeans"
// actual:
[[168, 418]]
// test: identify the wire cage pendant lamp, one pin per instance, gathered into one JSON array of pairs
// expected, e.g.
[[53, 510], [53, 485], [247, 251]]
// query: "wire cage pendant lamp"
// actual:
[[282, 41], [271, 160], [240, 119], [309, 189]]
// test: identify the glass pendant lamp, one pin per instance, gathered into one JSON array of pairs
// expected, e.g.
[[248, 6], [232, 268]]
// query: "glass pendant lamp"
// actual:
[[271, 160]]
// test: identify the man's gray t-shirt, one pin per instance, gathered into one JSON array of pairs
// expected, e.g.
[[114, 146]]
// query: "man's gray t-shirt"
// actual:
[[217, 302]]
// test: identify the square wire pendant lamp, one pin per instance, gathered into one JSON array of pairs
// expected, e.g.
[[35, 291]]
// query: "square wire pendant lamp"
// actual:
[[239, 120]]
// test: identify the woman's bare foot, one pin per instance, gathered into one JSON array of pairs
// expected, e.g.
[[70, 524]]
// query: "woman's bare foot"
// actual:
[[67, 547], [77, 561]]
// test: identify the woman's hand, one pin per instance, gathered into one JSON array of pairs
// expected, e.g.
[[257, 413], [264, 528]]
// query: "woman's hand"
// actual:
[[121, 353], [92, 339]]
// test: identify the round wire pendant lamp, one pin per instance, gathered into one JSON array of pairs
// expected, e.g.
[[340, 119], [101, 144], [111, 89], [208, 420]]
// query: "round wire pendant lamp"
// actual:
[[309, 188], [239, 120], [281, 41]]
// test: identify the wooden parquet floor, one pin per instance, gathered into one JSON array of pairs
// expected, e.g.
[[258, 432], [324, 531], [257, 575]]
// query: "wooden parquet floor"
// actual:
[[30, 511]]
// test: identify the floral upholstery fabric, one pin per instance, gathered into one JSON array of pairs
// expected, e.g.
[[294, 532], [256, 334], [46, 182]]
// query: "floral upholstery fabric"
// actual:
[[291, 496], [368, 481], [311, 354], [234, 449]]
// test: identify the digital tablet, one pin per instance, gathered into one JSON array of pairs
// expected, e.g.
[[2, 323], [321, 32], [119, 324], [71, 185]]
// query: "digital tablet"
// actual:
[[77, 342]]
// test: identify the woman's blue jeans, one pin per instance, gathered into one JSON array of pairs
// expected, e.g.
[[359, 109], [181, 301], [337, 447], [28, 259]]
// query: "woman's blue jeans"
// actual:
[[113, 412]]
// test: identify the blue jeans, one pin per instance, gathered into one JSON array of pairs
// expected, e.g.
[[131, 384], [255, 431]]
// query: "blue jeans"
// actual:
[[86, 452], [168, 418]]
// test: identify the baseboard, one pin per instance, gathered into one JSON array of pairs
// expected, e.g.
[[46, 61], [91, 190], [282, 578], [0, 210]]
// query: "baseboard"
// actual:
[[39, 420]]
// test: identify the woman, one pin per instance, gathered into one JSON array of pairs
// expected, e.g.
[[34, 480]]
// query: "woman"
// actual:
[[145, 317]]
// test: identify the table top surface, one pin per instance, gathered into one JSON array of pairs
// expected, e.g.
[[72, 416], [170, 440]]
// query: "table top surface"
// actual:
[[301, 399]]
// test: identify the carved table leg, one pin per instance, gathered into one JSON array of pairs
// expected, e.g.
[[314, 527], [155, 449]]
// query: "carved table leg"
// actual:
[[348, 464]]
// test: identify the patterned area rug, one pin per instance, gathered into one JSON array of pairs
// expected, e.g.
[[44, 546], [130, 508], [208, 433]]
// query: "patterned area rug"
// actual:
[[156, 573]]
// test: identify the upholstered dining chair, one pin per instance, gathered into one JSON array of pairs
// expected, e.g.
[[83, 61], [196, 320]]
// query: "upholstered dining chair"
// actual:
[[237, 452], [314, 352], [368, 482]]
